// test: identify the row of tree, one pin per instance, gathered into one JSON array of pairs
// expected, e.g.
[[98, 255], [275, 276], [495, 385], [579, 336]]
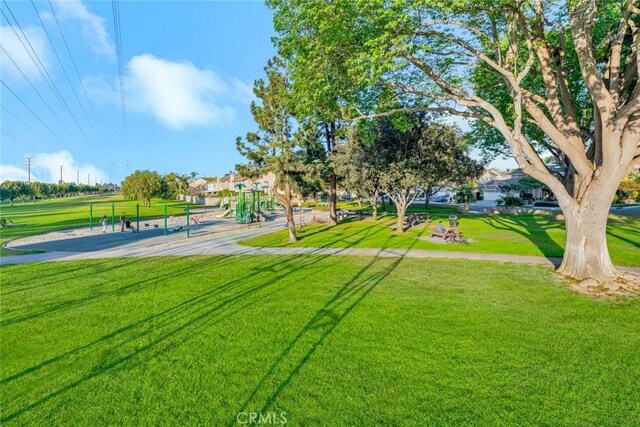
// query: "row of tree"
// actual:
[[12, 190], [402, 156]]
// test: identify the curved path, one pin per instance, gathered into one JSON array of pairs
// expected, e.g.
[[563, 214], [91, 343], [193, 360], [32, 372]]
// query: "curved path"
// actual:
[[220, 239]]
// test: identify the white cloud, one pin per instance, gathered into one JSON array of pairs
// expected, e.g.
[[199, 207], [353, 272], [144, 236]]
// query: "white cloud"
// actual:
[[243, 91], [14, 173], [47, 166], [178, 94], [11, 43], [93, 27]]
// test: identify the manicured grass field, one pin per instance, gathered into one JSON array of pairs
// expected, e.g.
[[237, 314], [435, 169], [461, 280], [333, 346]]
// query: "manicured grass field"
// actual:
[[540, 235], [329, 340], [73, 212]]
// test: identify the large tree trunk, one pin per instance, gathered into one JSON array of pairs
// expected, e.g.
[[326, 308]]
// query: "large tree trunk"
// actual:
[[400, 223], [401, 211], [333, 199], [586, 253], [288, 210]]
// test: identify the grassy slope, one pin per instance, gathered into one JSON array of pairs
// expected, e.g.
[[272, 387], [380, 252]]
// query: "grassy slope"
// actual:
[[540, 235], [73, 212], [186, 341]]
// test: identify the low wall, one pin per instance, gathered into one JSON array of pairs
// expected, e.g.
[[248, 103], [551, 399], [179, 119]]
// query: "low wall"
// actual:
[[200, 200]]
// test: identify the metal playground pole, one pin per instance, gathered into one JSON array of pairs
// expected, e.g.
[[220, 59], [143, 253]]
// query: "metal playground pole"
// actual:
[[165, 219]]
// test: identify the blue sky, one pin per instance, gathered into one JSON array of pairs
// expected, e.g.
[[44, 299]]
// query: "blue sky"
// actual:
[[188, 72], [189, 69]]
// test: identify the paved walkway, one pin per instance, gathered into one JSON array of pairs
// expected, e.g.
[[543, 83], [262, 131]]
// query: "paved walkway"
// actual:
[[223, 241]]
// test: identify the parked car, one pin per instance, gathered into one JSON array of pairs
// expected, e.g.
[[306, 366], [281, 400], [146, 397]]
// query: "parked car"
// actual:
[[440, 199], [345, 197]]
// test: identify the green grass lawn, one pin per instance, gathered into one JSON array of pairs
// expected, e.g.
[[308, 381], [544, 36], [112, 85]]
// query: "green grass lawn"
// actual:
[[73, 212], [195, 341], [540, 235]]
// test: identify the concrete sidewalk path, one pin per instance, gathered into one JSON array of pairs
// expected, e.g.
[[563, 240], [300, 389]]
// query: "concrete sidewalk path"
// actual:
[[225, 243]]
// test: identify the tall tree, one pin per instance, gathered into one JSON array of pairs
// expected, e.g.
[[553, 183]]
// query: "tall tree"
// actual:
[[174, 183], [275, 146], [563, 79], [142, 185]]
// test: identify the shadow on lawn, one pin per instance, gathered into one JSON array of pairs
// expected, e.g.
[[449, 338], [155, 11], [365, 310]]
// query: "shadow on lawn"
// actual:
[[157, 333], [154, 334], [533, 228], [316, 331], [624, 239], [361, 233]]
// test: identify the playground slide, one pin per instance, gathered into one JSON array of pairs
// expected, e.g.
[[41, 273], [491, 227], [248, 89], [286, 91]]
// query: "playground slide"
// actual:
[[225, 214]]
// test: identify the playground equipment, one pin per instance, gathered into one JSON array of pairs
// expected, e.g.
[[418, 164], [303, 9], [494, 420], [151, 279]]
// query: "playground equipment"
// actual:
[[247, 205]]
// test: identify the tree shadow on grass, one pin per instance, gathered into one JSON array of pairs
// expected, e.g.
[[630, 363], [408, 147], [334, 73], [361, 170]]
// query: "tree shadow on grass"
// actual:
[[322, 324], [624, 239], [155, 334], [534, 228], [361, 233], [55, 304]]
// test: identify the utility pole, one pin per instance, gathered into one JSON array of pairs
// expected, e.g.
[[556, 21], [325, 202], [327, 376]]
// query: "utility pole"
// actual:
[[88, 179], [77, 176], [29, 163], [61, 167]]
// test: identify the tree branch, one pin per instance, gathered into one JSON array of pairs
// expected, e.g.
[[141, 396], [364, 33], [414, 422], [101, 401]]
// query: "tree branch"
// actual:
[[583, 46]]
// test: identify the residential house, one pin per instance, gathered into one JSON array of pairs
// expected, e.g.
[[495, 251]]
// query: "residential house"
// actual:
[[494, 183]]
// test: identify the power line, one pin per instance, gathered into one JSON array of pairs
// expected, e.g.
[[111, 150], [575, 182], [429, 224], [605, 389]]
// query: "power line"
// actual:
[[64, 39], [115, 6], [39, 65], [33, 87], [19, 140], [34, 114], [64, 70], [15, 116], [36, 60]]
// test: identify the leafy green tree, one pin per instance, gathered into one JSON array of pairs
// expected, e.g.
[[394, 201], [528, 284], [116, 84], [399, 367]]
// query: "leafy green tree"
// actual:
[[358, 164], [142, 185], [174, 183], [542, 77], [629, 189], [404, 156], [12, 190], [275, 146]]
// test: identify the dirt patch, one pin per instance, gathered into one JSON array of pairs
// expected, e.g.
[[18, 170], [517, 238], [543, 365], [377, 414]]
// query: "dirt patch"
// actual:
[[626, 284]]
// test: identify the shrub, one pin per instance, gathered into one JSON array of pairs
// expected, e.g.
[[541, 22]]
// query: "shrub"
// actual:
[[510, 201], [545, 203]]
